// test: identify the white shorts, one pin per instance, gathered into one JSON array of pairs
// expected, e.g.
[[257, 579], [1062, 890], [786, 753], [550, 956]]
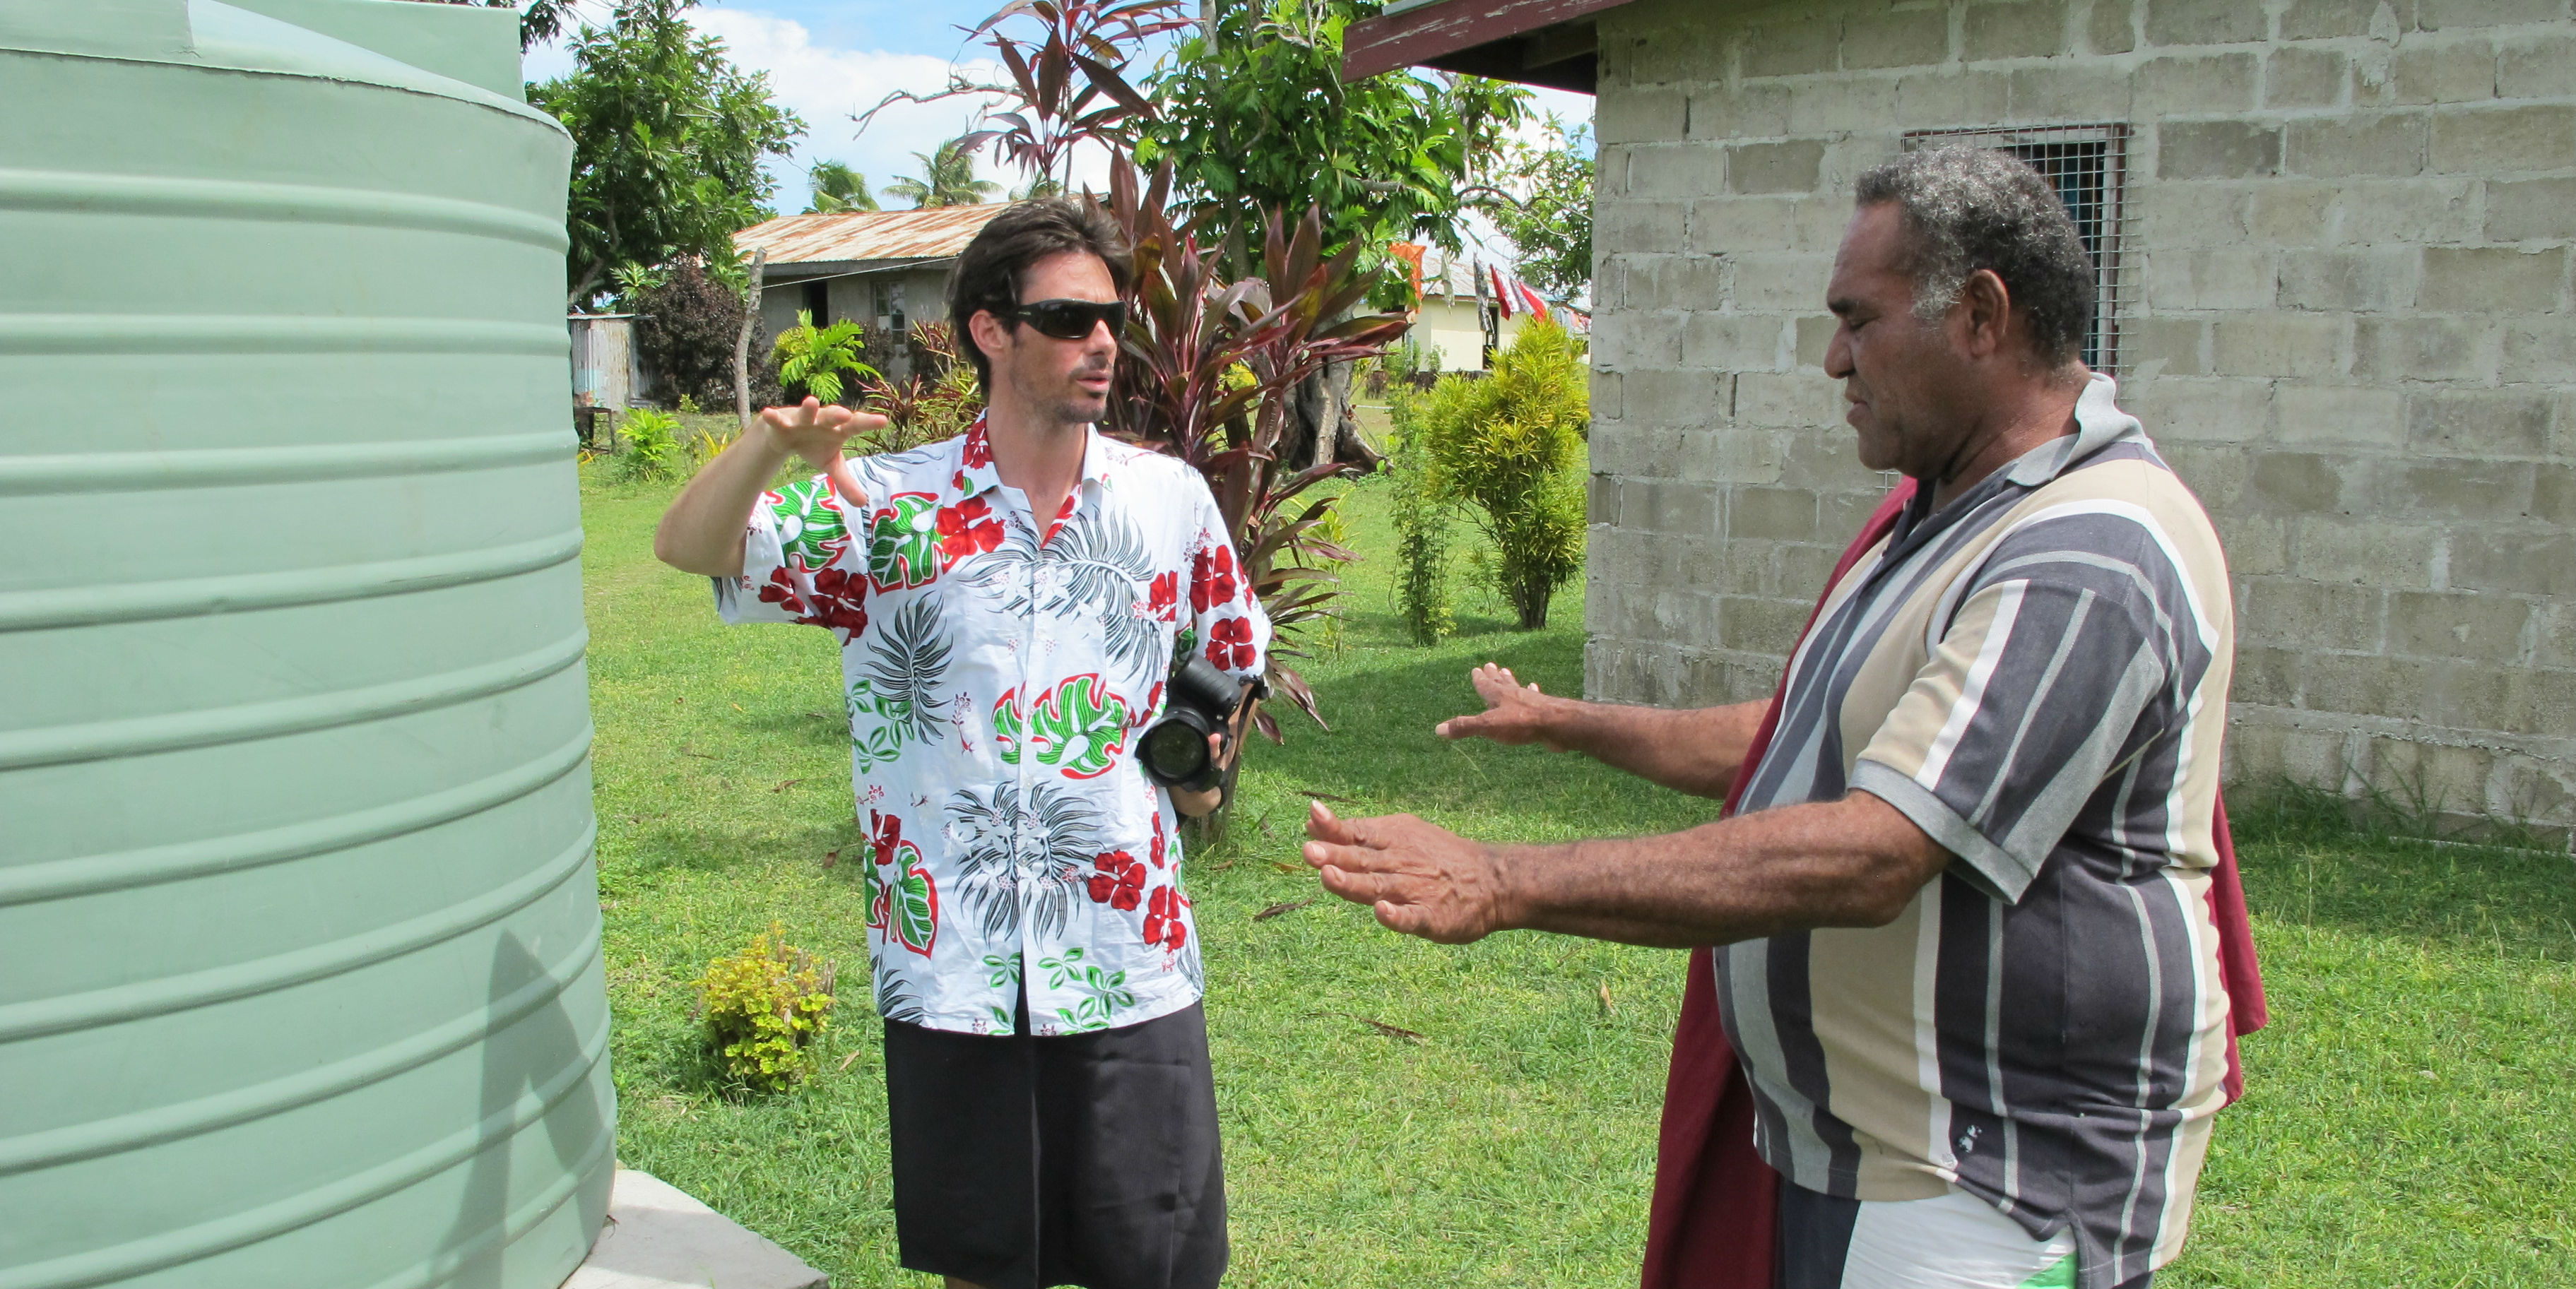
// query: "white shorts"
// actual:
[[1952, 1241]]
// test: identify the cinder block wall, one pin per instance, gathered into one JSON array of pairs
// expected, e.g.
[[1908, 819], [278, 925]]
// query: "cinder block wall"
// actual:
[[2349, 328]]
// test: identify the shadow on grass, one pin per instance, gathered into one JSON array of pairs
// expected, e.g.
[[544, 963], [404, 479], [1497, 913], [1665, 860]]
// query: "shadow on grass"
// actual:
[[805, 726], [711, 849], [2309, 860], [1383, 756]]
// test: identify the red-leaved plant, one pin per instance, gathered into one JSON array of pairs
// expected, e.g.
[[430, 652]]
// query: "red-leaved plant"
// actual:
[[1192, 338], [1055, 110], [1209, 366]]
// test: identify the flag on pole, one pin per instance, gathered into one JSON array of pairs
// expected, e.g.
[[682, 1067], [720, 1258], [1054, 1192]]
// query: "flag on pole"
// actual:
[[1502, 296]]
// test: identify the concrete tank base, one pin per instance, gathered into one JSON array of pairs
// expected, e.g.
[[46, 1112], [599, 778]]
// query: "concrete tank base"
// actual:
[[659, 1238]]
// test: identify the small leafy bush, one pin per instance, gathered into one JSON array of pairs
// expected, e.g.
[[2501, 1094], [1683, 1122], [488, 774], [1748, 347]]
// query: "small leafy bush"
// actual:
[[649, 446], [1512, 445], [764, 1007], [1422, 590], [820, 360]]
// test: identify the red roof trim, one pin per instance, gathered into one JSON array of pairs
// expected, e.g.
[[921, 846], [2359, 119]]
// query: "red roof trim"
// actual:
[[1418, 36]]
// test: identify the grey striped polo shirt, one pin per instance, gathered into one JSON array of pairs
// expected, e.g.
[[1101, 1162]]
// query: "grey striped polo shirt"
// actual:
[[2037, 676]]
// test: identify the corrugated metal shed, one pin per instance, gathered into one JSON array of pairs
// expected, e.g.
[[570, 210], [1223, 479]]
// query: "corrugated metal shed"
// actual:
[[936, 233]]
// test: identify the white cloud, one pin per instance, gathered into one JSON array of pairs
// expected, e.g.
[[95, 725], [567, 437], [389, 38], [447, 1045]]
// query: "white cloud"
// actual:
[[828, 87]]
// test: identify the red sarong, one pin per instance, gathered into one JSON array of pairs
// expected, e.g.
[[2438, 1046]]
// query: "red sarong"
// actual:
[[1716, 1207]]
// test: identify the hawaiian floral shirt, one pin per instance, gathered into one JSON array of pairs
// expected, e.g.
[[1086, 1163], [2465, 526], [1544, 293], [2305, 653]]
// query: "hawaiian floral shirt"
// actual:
[[997, 681]]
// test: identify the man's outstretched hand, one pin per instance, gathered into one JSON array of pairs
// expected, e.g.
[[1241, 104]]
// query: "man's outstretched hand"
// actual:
[[1514, 712], [1422, 880], [816, 431]]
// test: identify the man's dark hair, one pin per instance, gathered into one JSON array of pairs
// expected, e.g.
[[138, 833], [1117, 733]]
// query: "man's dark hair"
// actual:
[[1966, 208], [988, 272]]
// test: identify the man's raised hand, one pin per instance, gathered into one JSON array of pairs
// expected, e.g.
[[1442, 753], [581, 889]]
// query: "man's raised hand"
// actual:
[[1422, 880], [1514, 712], [816, 431]]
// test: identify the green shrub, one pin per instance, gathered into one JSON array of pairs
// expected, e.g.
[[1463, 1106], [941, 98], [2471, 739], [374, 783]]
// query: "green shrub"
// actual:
[[813, 360], [1422, 518], [648, 445], [764, 1007], [1512, 446], [1332, 532]]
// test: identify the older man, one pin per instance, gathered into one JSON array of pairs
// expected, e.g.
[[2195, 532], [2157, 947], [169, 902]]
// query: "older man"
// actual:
[[1968, 960]]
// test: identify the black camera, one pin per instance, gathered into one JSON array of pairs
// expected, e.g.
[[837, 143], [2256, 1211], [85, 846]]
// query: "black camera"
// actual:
[[1201, 701]]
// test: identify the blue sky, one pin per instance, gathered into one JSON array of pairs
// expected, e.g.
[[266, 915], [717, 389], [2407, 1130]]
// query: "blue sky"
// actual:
[[829, 59]]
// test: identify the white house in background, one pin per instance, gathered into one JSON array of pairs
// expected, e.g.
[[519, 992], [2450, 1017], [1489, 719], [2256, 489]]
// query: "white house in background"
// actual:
[[1451, 317], [883, 269]]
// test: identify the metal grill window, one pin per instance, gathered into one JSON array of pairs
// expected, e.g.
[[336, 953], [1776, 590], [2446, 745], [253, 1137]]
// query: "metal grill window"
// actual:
[[2089, 165]]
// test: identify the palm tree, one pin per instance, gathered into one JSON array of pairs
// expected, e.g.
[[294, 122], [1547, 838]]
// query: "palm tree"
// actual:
[[947, 179], [837, 189], [1038, 187]]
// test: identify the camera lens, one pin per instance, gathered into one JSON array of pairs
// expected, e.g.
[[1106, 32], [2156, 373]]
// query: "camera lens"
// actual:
[[1175, 751]]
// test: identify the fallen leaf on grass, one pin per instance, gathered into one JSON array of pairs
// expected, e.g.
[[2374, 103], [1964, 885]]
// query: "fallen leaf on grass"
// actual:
[[1277, 909], [686, 750], [831, 857], [1391, 1031], [785, 784], [737, 706], [1608, 1008], [1218, 868], [1288, 868], [1327, 796], [820, 716], [854, 1055]]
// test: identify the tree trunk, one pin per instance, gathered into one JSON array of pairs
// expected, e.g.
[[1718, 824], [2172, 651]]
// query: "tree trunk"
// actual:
[[1533, 607], [742, 344], [1322, 427], [582, 290]]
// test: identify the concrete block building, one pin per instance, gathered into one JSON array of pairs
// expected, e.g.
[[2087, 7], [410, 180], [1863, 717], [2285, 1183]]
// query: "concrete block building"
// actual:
[[2334, 244]]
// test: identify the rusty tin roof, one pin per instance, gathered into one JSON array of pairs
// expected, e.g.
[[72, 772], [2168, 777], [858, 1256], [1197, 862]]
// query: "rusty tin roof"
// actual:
[[936, 233]]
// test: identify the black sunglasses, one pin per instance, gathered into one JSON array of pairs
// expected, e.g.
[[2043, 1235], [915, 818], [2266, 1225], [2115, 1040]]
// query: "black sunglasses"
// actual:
[[1069, 319]]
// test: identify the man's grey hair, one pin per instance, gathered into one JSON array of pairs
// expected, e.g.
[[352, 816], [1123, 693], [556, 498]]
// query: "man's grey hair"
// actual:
[[1967, 208]]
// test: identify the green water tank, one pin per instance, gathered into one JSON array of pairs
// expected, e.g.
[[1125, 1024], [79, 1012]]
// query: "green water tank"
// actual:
[[300, 981]]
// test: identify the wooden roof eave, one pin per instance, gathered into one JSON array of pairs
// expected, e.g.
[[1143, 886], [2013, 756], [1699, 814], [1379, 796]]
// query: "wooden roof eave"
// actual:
[[1532, 42]]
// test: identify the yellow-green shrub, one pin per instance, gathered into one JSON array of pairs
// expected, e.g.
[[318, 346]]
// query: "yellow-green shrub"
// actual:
[[649, 445], [764, 1007], [1512, 446]]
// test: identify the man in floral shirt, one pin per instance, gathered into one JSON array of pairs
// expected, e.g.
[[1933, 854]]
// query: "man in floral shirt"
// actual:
[[1034, 957]]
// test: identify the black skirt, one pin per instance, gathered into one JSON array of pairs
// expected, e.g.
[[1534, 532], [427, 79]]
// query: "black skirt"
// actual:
[[1022, 1162]]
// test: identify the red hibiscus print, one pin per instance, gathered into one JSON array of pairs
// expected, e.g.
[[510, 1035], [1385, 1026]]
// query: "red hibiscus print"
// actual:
[[979, 449], [1164, 597], [781, 591], [968, 528], [839, 597], [1120, 883], [1163, 924], [1212, 574], [1230, 644], [1157, 854], [885, 833]]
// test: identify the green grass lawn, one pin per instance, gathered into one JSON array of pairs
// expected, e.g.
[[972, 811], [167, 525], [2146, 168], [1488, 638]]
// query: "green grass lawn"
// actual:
[[2409, 1121]]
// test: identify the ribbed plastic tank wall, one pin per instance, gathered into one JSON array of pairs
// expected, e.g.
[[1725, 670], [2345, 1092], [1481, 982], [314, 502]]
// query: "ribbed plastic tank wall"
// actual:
[[300, 979]]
